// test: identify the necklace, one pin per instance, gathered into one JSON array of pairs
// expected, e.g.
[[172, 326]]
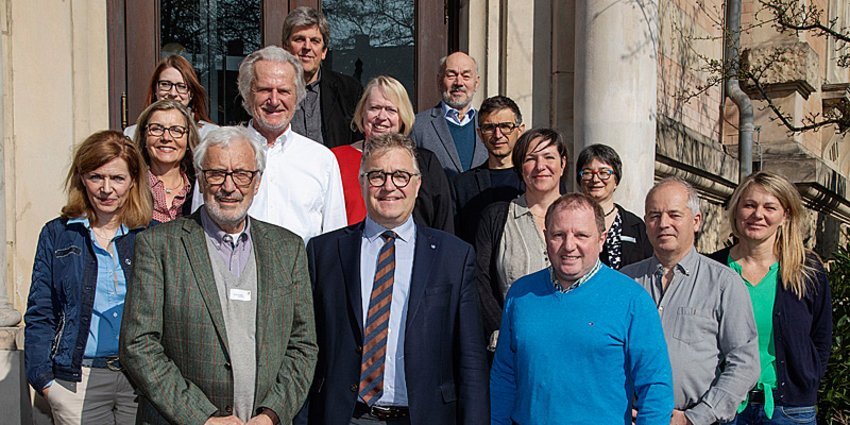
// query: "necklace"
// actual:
[[105, 237], [614, 208], [168, 191]]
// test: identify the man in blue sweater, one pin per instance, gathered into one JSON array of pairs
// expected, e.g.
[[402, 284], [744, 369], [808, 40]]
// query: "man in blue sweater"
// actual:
[[580, 343]]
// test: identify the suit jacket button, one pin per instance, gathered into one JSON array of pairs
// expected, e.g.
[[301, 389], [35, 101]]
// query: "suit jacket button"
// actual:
[[359, 348], [228, 410], [227, 365], [354, 388]]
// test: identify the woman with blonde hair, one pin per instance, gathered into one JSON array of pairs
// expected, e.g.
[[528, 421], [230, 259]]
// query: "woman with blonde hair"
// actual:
[[83, 262], [790, 295], [385, 108], [166, 137]]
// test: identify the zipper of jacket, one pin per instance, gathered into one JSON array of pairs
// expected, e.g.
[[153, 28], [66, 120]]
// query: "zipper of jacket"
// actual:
[[58, 337]]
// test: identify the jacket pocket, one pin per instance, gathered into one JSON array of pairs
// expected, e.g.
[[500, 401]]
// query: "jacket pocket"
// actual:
[[57, 339], [448, 391]]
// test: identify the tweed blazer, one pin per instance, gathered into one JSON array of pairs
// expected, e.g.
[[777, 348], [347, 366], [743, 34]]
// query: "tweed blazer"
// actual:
[[431, 132], [173, 340]]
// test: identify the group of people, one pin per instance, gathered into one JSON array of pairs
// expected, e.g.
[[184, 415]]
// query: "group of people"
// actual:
[[343, 260]]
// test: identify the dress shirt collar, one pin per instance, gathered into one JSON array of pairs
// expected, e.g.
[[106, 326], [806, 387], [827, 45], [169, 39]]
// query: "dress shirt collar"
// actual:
[[122, 229], [278, 143], [219, 236], [453, 114], [686, 265], [373, 230], [312, 86], [576, 284]]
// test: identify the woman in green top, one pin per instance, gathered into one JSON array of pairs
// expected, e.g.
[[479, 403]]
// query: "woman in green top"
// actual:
[[790, 296]]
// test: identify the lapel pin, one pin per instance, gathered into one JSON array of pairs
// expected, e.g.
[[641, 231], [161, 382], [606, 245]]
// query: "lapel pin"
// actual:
[[433, 246]]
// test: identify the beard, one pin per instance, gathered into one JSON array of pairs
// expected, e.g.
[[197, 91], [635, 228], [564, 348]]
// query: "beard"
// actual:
[[456, 104]]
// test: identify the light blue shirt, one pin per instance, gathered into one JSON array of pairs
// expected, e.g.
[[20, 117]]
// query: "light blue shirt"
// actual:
[[109, 295], [395, 389], [453, 115]]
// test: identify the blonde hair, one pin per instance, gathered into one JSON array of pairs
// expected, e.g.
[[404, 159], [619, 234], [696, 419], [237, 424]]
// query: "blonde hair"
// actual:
[[96, 150], [396, 93], [794, 270]]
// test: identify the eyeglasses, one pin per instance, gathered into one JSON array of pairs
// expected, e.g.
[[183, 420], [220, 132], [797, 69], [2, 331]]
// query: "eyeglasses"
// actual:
[[176, 131], [241, 178], [603, 173], [399, 178], [505, 127], [164, 85]]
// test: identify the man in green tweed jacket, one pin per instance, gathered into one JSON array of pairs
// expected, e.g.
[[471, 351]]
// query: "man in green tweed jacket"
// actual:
[[218, 322]]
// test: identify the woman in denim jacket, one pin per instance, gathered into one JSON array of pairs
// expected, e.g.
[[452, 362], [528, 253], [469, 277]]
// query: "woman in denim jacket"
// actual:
[[82, 264]]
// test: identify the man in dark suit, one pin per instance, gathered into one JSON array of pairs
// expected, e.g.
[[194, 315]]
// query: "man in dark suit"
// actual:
[[218, 321], [499, 125], [449, 129], [397, 312], [326, 111]]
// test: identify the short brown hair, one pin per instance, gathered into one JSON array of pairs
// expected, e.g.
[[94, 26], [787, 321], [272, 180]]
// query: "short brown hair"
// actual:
[[384, 142], [576, 200], [198, 102], [96, 150]]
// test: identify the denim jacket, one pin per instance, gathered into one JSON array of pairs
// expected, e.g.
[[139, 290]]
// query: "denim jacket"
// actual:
[[59, 308]]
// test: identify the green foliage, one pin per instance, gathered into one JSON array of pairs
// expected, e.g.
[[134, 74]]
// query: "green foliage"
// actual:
[[834, 395]]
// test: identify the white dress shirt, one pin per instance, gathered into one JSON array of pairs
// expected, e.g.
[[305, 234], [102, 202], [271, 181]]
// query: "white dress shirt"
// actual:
[[395, 389], [301, 188]]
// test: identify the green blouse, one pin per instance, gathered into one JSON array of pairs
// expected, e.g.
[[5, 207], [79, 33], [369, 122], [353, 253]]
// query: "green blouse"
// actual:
[[763, 296]]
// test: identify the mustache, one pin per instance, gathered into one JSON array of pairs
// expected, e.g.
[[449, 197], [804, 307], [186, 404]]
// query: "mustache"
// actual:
[[234, 196]]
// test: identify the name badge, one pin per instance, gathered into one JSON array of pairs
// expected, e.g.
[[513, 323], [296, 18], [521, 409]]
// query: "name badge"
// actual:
[[240, 294]]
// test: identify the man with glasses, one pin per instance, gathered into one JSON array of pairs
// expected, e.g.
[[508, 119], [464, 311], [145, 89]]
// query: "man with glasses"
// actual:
[[301, 189], [218, 320], [397, 311], [499, 125], [449, 129]]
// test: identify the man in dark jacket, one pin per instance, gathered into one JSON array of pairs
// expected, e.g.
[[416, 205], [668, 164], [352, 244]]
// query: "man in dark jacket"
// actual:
[[499, 125], [326, 111]]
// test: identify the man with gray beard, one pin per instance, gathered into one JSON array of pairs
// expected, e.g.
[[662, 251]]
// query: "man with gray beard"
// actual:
[[218, 320], [450, 128]]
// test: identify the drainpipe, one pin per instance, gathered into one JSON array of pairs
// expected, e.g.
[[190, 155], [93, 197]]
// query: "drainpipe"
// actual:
[[733, 89]]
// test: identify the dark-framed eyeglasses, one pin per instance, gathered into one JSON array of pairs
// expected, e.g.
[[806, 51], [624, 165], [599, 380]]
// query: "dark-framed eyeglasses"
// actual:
[[164, 85], [505, 127], [399, 178], [241, 178], [176, 131], [603, 173]]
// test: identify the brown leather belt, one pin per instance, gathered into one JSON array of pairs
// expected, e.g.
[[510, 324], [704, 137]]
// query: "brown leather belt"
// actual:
[[381, 412]]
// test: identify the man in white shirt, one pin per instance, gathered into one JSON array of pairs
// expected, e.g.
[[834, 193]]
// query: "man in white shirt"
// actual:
[[301, 188]]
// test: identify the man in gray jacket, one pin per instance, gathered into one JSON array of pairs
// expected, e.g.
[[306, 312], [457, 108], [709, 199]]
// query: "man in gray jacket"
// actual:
[[705, 311]]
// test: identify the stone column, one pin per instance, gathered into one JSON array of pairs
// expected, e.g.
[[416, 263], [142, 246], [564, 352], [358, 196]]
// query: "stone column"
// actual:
[[615, 88]]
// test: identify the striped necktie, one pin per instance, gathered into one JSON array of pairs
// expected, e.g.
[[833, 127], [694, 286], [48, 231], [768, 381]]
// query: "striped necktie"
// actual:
[[377, 324]]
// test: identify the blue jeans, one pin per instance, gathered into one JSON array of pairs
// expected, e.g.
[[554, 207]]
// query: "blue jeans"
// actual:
[[782, 415]]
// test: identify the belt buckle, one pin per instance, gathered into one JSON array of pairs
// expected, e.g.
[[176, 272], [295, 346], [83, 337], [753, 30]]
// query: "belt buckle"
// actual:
[[113, 364], [383, 412]]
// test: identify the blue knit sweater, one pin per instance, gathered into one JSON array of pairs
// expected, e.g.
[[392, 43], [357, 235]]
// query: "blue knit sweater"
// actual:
[[580, 357]]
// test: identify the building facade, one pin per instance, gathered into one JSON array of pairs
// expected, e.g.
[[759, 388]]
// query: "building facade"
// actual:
[[633, 74]]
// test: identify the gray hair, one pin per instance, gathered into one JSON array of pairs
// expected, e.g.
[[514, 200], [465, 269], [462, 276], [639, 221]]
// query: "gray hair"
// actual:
[[247, 73], [305, 16], [693, 198], [445, 58], [222, 137], [385, 142]]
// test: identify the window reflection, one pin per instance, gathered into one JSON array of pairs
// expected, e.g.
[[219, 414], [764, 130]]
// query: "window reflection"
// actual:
[[214, 36], [372, 38]]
